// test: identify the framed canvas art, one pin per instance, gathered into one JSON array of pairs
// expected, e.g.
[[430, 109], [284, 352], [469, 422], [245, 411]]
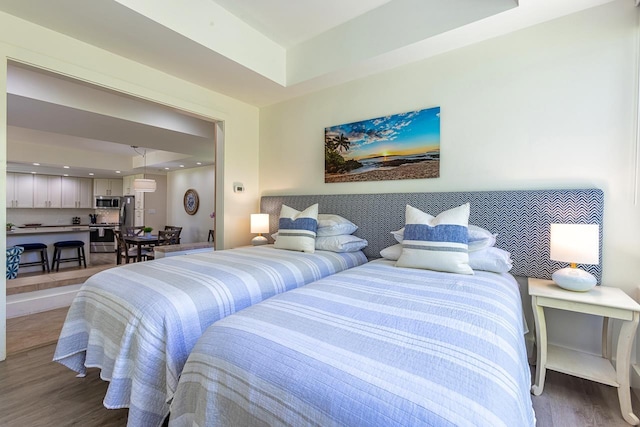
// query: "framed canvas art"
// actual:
[[401, 146]]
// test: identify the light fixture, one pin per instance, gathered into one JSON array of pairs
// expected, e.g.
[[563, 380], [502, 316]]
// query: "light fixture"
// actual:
[[143, 185], [575, 243], [259, 224]]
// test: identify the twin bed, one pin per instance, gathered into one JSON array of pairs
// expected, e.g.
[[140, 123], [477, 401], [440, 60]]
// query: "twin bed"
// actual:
[[371, 345]]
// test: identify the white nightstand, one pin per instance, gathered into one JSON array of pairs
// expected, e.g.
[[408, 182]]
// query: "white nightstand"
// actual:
[[604, 301]]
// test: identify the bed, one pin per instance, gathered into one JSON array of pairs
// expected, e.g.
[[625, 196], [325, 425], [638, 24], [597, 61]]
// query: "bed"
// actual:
[[384, 345], [374, 345], [139, 322]]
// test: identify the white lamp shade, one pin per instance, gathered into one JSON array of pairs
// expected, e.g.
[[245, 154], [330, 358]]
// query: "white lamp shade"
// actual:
[[144, 185], [575, 243], [259, 223]]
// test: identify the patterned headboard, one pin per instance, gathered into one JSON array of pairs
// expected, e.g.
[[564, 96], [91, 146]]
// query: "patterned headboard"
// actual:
[[520, 218]]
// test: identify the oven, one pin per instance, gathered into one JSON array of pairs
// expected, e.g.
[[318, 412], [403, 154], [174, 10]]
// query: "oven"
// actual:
[[102, 238]]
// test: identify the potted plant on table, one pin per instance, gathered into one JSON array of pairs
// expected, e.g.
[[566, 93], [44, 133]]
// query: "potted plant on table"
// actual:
[[147, 231], [10, 226]]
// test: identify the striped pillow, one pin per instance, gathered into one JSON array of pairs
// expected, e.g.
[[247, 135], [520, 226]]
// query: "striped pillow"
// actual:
[[297, 230], [439, 243]]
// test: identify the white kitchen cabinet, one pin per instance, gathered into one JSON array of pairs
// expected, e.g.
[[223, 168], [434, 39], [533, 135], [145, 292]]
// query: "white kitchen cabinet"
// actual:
[[139, 218], [19, 190], [77, 192], [127, 184], [107, 187], [47, 191]]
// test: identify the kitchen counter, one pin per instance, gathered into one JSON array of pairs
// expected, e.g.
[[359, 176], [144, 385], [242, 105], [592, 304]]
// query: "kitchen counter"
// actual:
[[48, 235], [46, 229]]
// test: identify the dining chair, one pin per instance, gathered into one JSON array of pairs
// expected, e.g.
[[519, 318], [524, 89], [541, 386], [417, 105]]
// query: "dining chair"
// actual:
[[130, 252], [134, 231], [168, 237], [174, 228]]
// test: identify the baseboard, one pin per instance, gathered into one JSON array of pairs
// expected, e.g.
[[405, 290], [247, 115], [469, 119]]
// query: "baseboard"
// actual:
[[27, 303]]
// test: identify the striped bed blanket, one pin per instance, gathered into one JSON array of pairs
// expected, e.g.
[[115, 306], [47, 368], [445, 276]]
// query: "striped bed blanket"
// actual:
[[375, 345], [139, 322]]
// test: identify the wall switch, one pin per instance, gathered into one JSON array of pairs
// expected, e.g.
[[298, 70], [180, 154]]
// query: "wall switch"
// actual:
[[151, 211], [238, 187]]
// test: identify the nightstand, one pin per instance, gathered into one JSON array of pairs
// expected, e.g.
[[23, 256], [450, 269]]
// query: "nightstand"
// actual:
[[605, 301]]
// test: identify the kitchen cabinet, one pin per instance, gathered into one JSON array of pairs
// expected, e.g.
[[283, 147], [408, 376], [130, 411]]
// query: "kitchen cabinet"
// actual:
[[19, 190], [47, 190], [127, 184], [107, 187], [77, 192], [139, 217]]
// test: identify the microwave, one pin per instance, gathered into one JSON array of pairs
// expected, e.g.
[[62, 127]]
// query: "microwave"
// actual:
[[105, 202]]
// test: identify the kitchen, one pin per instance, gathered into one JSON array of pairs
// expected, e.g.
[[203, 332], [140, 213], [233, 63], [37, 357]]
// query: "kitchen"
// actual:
[[70, 152], [96, 212]]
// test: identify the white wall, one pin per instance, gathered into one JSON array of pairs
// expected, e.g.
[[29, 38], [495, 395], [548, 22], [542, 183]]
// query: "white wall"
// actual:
[[24, 42], [552, 106], [195, 228]]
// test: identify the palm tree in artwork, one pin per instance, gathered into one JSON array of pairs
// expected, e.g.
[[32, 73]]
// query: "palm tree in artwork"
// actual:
[[342, 143]]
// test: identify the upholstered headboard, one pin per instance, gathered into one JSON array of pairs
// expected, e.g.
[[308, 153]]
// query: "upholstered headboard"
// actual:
[[520, 218]]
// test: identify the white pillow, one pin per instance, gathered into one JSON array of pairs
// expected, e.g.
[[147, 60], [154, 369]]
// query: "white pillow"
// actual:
[[479, 238], [334, 225], [343, 243], [438, 243], [491, 259], [297, 230], [487, 259], [392, 252]]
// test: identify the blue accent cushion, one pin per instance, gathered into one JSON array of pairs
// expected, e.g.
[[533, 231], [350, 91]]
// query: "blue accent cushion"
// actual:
[[13, 261]]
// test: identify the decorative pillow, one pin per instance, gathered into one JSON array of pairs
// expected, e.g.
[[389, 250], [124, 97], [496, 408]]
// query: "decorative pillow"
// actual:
[[479, 238], [439, 243], [392, 252], [297, 230], [343, 243], [491, 259], [334, 225]]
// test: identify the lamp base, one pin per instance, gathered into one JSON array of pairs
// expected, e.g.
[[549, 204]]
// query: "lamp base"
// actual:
[[259, 240], [574, 279]]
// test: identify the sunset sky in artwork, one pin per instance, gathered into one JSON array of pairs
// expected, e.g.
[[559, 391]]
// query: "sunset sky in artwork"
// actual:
[[402, 134]]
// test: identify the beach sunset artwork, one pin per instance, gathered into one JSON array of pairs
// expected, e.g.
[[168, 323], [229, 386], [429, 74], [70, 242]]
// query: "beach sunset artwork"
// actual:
[[401, 146]]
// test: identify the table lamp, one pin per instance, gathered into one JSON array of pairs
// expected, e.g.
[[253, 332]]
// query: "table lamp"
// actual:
[[259, 224], [575, 243]]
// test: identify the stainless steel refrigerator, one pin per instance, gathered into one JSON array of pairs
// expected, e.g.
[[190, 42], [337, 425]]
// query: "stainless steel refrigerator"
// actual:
[[127, 211]]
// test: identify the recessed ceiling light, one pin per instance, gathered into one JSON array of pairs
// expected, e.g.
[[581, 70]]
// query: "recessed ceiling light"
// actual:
[[36, 164], [66, 167], [166, 169], [66, 174], [181, 166], [34, 173], [90, 173], [117, 171], [198, 163]]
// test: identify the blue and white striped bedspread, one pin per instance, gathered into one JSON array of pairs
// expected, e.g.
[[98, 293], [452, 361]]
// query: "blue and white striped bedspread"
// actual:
[[372, 346], [139, 322]]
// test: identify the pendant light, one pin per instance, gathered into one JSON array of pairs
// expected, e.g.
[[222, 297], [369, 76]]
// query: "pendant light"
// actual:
[[143, 185]]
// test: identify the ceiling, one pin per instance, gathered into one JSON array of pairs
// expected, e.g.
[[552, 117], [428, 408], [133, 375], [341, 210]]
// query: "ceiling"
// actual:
[[258, 51]]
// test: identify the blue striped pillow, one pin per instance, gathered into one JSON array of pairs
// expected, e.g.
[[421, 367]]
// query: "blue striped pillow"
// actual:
[[297, 230], [436, 243]]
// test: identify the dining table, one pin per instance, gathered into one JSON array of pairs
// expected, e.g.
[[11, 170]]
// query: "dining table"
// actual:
[[140, 241]]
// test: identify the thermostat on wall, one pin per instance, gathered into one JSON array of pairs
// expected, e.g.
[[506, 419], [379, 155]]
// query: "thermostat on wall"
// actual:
[[238, 187]]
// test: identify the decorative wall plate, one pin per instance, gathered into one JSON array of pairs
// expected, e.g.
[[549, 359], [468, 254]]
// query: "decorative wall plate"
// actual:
[[191, 201]]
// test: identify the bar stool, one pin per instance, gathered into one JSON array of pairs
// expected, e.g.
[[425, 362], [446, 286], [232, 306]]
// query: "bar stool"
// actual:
[[68, 244], [44, 256]]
